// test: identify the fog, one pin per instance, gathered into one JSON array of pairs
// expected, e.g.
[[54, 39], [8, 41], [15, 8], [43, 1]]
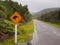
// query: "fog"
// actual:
[[38, 5]]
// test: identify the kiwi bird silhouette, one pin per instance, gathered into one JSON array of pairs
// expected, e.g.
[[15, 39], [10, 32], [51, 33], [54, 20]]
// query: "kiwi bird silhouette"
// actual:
[[15, 17]]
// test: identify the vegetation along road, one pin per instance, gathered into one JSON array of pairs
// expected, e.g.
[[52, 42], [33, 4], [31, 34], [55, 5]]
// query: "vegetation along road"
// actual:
[[45, 34]]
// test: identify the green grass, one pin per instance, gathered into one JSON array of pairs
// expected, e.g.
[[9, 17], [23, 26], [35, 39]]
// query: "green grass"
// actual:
[[24, 31], [55, 25], [52, 24], [7, 42]]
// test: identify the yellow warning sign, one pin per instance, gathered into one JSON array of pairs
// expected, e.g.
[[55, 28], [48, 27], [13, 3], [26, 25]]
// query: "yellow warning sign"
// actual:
[[16, 17]]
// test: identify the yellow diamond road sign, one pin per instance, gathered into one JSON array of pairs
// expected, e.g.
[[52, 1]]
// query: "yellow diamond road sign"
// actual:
[[16, 17]]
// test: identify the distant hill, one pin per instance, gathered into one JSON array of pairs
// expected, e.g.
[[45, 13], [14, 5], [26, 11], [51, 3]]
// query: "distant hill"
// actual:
[[38, 14]]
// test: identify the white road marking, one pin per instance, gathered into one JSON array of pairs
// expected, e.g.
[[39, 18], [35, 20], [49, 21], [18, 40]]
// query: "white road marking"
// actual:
[[56, 33]]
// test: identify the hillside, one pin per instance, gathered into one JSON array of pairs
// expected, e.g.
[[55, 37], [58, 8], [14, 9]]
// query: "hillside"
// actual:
[[52, 17], [38, 14]]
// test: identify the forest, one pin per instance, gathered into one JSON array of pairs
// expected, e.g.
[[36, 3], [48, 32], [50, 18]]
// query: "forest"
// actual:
[[7, 8], [52, 16]]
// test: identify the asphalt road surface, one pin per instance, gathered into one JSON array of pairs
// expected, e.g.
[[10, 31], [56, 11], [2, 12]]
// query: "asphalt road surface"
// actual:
[[45, 34]]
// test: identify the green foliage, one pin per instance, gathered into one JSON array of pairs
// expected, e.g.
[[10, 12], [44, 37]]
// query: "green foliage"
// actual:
[[7, 8], [53, 17], [14, 6], [7, 42], [24, 31], [5, 26], [2, 11]]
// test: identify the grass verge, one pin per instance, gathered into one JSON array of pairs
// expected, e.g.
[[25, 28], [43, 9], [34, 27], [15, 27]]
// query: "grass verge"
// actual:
[[55, 25], [7, 42], [52, 24], [25, 31]]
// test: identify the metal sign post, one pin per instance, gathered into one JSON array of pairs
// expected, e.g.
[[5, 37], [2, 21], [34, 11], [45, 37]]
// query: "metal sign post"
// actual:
[[15, 33], [16, 18]]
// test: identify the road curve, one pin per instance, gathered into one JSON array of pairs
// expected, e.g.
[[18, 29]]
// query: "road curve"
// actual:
[[45, 34]]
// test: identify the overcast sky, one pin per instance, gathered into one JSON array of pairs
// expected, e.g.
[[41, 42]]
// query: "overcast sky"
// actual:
[[38, 5]]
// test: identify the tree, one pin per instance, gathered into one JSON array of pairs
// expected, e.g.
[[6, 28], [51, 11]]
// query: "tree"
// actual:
[[7, 8], [2, 11], [10, 0], [52, 16], [5, 26]]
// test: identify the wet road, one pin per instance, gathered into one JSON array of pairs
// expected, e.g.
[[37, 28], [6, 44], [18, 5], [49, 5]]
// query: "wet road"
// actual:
[[45, 34]]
